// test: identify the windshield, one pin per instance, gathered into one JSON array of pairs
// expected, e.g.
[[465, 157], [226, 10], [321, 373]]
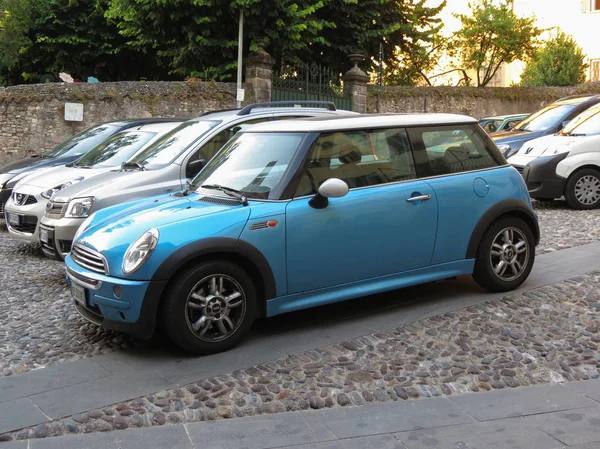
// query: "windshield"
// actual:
[[83, 142], [164, 151], [587, 123], [546, 118], [253, 163], [115, 150]]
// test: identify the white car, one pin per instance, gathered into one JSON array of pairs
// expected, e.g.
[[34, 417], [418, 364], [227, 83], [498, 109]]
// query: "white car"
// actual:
[[565, 164], [27, 204]]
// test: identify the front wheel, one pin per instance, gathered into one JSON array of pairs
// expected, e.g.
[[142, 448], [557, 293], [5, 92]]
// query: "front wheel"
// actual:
[[505, 255], [209, 307], [582, 190]]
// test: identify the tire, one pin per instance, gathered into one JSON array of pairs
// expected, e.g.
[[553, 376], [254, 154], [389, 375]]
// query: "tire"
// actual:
[[582, 190], [209, 307], [493, 249]]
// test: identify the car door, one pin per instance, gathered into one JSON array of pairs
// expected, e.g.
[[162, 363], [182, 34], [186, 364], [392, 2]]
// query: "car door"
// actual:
[[455, 160], [386, 224]]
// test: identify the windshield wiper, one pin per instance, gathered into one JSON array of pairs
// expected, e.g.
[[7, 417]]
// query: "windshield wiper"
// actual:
[[576, 135], [82, 166], [135, 165], [228, 191]]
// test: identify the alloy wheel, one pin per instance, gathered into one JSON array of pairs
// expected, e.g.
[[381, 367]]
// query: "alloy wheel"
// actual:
[[215, 308], [509, 254]]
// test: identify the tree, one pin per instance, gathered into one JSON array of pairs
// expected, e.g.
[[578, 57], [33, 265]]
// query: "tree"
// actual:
[[493, 35], [14, 26], [559, 63]]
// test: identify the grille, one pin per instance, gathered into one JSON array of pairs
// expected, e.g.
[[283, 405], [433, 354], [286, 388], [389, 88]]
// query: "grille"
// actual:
[[88, 258], [53, 208], [261, 225], [519, 168], [2, 209], [222, 201], [21, 199]]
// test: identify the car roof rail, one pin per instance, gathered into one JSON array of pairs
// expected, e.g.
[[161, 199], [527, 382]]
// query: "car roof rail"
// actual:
[[218, 110], [330, 105]]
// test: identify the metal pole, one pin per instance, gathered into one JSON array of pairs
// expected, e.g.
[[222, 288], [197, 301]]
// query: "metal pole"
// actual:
[[380, 78], [240, 53]]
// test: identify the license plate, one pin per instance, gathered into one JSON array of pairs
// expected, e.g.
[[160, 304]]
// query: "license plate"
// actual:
[[78, 293], [14, 219], [44, 235]]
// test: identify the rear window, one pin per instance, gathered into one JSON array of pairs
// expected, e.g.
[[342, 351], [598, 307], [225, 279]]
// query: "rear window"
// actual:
[[449, 149]]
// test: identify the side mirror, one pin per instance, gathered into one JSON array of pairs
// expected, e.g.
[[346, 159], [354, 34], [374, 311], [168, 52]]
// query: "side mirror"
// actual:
[[332, 188], [194, 167]]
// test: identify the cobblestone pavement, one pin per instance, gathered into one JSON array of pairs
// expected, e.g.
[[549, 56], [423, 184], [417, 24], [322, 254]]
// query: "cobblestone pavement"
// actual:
[[39, 326], [547, 335], [562, 227]]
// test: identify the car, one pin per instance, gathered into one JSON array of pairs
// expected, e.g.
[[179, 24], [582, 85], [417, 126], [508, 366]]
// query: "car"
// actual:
[[65, 153], [297, 214], [30, 196], [166, 166], [501, 122], [566, 164], [547, 121]]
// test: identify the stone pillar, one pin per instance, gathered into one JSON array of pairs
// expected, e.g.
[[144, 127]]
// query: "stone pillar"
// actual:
[[259, 76], [355, 84]]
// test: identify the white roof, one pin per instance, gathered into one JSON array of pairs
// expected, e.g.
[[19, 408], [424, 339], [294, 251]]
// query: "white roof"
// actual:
[[360, 122]]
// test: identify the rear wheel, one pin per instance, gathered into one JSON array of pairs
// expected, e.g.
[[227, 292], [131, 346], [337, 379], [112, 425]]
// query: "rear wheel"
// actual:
[[582, 190], [209, 307], [505, 255]]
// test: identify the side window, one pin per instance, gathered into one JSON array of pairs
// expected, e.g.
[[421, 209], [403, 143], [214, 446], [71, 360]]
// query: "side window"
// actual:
[[210, 148], [442, 150], [360, 158]]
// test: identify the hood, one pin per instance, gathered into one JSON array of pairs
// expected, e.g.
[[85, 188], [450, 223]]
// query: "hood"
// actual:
[[178, 219], [548, 146], [513, 138], [105, 184], [33, 163], [57, 176]]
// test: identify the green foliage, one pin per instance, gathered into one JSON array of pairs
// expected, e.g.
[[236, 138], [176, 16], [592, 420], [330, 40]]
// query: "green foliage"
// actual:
[[14, 26], [559, 63], [493, 35]]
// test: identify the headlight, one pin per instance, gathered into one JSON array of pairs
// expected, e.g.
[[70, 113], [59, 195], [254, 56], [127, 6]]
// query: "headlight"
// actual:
[[48, 193], [504, 149], [139, 251], [83, 227], [79, 207]]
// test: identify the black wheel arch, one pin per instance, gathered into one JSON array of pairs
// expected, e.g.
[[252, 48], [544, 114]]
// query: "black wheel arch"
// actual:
[[512, 206], [237, 251]]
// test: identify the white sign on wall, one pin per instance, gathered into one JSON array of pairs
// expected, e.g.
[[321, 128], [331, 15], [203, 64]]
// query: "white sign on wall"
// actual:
[[240, 95], [74, 112]]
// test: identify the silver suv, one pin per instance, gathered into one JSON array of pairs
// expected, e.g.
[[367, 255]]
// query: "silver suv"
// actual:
[[164, 167]]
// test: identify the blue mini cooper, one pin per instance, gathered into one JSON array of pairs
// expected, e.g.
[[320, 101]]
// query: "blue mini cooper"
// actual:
[[296, 214]]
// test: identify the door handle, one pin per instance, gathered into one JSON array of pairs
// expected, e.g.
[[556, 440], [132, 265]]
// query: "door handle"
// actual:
[[418, 198]]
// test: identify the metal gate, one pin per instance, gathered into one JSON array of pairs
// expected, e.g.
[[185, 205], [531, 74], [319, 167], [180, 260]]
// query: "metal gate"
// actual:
[[310, 82]]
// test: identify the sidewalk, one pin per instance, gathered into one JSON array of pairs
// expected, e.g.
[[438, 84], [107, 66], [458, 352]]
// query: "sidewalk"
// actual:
[[541, 417]]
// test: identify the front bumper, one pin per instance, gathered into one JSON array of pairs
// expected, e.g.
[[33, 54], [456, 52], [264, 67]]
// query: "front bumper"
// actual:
[[60, 234], [133, 312], [29, 216], [4, 196], [541, 178]]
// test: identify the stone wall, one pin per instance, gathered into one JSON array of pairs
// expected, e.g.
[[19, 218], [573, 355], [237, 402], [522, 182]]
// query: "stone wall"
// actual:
[[32, 116], [473, 101]]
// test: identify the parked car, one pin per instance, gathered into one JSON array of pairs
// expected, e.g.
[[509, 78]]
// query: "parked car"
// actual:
[[164, 167], [27, 205], [567, 163], [65, 153], [297, 214], [501, 122], [545, 122]]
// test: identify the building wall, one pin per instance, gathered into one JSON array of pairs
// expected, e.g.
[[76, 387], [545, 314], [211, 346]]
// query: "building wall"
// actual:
[[32, 116]]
